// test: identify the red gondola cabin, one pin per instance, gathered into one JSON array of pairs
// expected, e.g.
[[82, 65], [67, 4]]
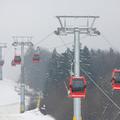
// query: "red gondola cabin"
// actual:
[[116, 79], [1, 62], [36, 58], [77, 87], [17, 60]]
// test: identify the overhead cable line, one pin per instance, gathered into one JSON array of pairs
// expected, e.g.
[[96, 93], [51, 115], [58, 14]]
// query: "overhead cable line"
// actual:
[[107, 41], [65, 44], [45, 38], [101, 90]]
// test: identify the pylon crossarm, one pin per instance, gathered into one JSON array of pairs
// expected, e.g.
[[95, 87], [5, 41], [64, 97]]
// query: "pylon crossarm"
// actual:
[[22, 43], [77, 16], [65, 31], [67, 28]]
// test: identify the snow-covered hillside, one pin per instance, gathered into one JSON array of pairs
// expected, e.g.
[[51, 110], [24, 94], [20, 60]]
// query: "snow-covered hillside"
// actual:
[[9, 105], [8, 95]]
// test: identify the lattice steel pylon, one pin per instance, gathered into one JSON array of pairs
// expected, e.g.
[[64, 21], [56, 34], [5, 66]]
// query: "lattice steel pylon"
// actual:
[[22, 41], [2, 45], [77, 25]]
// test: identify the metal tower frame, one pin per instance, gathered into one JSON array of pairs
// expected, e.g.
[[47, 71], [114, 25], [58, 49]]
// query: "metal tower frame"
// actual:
[[77, 31], [2, 45], [22, 41]]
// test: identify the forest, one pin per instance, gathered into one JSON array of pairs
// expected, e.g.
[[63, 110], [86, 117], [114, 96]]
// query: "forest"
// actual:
[[53, 70]]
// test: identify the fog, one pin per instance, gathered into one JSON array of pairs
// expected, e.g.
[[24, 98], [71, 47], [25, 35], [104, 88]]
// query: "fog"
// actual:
[[37, 18]]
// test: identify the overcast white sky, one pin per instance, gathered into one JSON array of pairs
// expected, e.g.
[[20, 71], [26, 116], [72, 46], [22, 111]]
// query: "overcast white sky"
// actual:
[[37, 18]]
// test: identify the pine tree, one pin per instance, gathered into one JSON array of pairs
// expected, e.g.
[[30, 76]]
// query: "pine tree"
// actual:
[[54, 66], [65, 63], [85, 59]]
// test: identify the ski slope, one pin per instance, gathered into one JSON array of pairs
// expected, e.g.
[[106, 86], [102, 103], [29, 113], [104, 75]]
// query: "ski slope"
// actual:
[[8, 95], [9, 104], [9, 100]]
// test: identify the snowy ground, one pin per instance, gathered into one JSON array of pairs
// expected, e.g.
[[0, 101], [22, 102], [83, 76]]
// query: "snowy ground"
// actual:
[[9, 105], [8, 95]]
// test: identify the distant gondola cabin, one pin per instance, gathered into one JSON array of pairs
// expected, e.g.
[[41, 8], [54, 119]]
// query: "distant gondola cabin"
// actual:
[[36, 58], [17, 60], [116, 79], [77, 87], [1, 62]]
